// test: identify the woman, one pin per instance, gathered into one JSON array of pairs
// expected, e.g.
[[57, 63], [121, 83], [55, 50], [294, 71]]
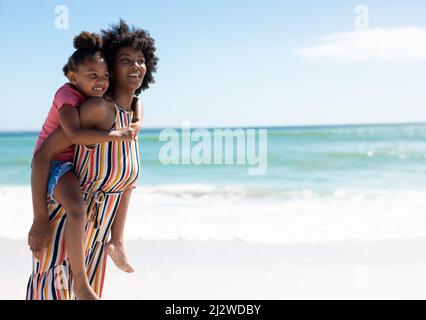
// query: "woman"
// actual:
[[106, 171]]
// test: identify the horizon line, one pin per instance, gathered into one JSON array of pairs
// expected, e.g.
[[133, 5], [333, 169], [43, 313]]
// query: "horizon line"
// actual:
[[257, 126]]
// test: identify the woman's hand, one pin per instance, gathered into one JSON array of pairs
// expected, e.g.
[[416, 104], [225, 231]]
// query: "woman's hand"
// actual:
[[39, 237]]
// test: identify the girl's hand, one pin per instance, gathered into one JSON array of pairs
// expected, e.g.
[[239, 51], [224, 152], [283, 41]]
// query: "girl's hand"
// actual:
[[39, 237], [124, 134], [136, 126]]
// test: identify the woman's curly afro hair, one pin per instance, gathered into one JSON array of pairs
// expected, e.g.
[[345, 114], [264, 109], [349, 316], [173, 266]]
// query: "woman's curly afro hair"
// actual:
[[87, 45], [121, 35]]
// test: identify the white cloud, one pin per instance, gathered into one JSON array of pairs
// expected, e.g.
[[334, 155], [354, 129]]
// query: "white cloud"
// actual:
[[378, 43]]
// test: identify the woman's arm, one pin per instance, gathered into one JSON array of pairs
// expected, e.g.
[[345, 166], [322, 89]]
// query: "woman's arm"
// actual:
[[118, 225], [117, 228], [70, 122], [137, 108]]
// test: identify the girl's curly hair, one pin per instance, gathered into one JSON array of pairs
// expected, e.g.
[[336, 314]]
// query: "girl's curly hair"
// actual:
[[87, 45], [121, 35]]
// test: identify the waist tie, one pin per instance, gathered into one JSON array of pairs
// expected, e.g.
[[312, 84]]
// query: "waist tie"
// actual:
[[99, 198]]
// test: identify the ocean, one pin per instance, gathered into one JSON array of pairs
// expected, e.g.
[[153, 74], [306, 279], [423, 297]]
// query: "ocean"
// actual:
[[322, 183]]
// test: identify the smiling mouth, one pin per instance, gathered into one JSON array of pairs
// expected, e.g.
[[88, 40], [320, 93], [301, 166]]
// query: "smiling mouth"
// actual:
[[134, 75], [99, 89]]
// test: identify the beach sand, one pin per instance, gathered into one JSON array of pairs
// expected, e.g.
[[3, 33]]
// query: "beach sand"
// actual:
[[180, 269]]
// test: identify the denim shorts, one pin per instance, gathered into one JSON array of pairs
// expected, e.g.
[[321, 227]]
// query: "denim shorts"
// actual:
[[57, 169]]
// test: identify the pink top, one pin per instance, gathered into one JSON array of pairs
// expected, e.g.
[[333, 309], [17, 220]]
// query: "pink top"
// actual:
[[65, 95]]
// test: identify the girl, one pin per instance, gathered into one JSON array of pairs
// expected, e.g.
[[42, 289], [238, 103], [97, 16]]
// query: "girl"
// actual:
[[88, 77], [106, 171]]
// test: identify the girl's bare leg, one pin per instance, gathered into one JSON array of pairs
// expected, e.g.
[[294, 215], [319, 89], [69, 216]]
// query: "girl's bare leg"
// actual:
[[115, 247], [67, 193]]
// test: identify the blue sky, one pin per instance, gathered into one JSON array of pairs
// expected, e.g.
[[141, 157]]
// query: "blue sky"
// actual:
[[232, 62]]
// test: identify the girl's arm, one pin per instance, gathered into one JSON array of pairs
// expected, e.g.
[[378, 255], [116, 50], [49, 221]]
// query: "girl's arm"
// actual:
[[70, 122], [95, 117]]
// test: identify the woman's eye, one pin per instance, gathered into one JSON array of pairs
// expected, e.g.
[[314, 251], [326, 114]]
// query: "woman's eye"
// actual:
[[141, 62], [92, 76], [125, 60], [106, 75]]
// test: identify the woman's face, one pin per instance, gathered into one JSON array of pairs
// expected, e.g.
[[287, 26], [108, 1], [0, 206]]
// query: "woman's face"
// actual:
[[129, 68]]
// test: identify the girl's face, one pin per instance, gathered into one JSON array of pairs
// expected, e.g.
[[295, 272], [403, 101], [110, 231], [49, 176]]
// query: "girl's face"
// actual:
[[129, 68], [92, 77]]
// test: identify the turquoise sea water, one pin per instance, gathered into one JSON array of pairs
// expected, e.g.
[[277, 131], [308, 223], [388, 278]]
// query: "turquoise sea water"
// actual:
[[324, 183], [320, 159]]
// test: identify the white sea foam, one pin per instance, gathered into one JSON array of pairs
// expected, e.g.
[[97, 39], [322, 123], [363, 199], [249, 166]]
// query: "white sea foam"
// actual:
[[203, 211]]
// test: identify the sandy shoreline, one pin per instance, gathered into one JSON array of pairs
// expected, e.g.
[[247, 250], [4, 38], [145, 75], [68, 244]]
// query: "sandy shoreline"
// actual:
[[180, 269]]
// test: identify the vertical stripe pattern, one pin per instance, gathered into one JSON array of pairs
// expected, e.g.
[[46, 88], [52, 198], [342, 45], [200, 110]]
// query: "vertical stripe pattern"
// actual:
[[108, 167]]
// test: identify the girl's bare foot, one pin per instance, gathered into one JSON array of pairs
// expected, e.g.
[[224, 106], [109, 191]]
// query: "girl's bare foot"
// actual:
[[115, 250], [85, 292]]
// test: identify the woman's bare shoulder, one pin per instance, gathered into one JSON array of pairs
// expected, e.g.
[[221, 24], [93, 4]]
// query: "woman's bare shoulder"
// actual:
[[94, 104], [96, 112]]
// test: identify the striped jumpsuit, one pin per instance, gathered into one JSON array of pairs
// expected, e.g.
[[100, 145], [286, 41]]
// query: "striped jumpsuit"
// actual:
[[104, 170]]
